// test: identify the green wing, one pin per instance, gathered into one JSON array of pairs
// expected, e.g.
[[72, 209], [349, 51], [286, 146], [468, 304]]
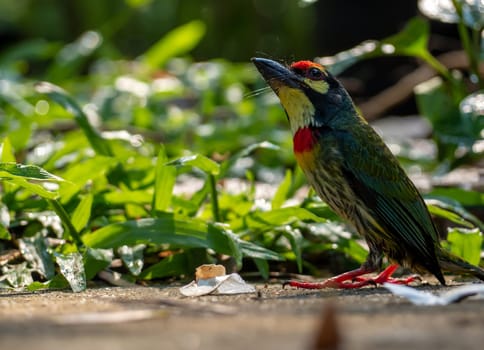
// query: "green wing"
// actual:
[[392, 199]]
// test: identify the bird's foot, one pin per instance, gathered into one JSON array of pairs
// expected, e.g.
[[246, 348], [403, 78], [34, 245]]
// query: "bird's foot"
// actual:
[[386, 277], [347, 280], [354, 279]]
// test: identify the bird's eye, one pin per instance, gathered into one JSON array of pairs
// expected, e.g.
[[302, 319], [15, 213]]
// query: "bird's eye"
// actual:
[[314, 74]]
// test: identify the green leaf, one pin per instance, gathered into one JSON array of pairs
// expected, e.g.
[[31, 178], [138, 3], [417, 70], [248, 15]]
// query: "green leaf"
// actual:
[[461, 196], [34, 188], [81, 215], [176, 265], [437, 105], [255, 251], [132, 257], [282, 191], [96, 260], [58, 282], [98, 144], [189, 233], [228, 164], [199, 161], [6, 151], [411, 41], [34, 250], [453, 211], [164, 183], [353, 249], [72, 268], [178, 42], [4, 222], [224, 242], [295, 239], [28, 172], [277, 217], [127, 197], [173, 265], [263, 267], [4, 234], [466, 244]]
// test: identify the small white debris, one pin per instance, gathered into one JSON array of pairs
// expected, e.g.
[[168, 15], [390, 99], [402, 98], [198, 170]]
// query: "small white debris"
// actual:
[[215, 283], [417, 297]]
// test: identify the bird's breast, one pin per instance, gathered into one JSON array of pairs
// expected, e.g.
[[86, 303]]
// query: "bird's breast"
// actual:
[[306, 147]]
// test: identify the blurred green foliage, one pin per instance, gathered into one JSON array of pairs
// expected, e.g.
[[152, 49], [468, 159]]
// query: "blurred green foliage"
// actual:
[[105, 157]]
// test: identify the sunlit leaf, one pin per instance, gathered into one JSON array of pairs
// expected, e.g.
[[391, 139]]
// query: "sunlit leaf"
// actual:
[[466, 244], [276, 217], [17, 276], [81, 215], [444, 11], [463, 197], [34, 250], [126, 197], [6, 151], [179, 41], [132, 257], [138, 3], [453, 211], [72, 268], [28, 172], [4, 222], [199, 161], [164, 183], [411, 41]]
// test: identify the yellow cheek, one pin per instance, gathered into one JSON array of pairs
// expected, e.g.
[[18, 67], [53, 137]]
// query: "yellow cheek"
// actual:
[[318, 85]]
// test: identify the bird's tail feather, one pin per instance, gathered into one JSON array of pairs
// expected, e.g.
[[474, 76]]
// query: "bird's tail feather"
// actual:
[[451, 263]]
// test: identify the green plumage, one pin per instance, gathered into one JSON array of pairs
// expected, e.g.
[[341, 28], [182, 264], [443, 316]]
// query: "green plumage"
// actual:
[[358, 176]]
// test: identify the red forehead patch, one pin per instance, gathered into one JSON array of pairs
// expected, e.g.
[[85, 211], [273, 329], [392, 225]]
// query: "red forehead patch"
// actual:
[[304, 65]]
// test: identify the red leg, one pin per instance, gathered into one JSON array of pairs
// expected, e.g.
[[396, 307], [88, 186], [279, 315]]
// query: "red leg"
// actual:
[[340, 281], [354, 279]]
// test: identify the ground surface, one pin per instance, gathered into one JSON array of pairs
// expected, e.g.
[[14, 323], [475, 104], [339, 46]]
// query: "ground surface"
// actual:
[[160, 318]]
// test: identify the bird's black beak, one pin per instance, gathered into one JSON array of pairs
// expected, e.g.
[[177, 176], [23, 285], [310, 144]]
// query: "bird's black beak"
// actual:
[[275, 74]]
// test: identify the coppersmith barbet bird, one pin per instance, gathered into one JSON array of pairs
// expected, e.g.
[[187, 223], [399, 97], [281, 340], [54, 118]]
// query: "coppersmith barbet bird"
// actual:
[[354, 172]]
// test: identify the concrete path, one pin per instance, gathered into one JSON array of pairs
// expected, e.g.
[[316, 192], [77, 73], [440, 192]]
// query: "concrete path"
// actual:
[[160, 318]]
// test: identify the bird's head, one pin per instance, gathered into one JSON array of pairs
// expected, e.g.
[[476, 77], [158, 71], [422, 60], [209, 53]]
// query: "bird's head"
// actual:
[[310, 95]]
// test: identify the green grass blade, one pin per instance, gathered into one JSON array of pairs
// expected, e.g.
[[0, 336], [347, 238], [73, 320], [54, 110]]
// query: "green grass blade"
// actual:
[[164, 183]]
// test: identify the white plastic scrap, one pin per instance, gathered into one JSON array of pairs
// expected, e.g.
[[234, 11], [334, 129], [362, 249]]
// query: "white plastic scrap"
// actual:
[[226, 284], [417, 297]]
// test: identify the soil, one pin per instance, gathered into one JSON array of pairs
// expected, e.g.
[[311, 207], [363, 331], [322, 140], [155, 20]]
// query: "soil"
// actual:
[[159, 317]]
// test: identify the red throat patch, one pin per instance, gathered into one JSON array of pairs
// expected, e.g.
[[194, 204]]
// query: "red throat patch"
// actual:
[[304, 140]]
